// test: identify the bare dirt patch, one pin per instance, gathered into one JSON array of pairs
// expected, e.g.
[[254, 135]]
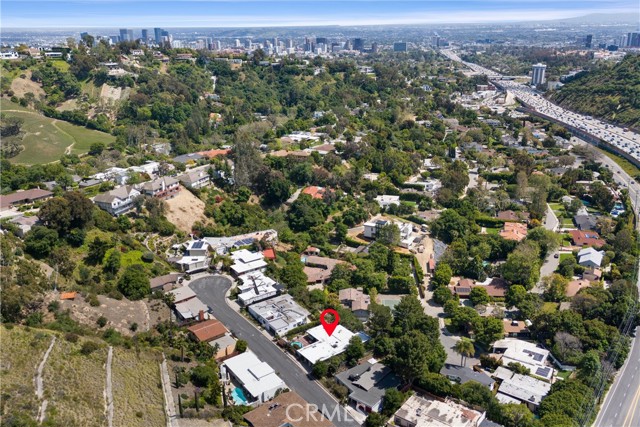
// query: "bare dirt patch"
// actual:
[[184, 210], [120, 314], [68, 105], [21, 86]]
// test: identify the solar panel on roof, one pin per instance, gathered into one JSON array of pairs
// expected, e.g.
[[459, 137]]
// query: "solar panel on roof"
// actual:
[[244, 242], [198, 245], [536, 356], [543, 372]]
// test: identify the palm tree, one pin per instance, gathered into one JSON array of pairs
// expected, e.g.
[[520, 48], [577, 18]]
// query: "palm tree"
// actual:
[[464, 348]]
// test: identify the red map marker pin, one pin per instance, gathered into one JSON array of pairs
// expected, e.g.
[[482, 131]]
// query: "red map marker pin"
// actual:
[[329, 327]]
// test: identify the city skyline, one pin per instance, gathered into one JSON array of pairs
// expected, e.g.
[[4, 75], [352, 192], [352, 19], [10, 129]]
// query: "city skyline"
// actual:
[[285, 13]]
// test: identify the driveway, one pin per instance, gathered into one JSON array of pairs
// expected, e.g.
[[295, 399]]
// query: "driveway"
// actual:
[[447, 339], [551, 220], [550, 265], [212, 291]]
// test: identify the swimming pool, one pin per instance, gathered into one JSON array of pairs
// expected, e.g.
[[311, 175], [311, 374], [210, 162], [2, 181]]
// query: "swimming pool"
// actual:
[[238, 396]]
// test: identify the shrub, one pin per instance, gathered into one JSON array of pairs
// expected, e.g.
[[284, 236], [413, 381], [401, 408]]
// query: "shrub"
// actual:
[[71, 337], [53, 306], [93, 301], [148, 256], [102, 321], [133, 327], [241, 346], [89, 347]]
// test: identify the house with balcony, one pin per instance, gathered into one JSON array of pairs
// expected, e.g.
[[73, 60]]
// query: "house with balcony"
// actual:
[[162, 188], [117, 201]]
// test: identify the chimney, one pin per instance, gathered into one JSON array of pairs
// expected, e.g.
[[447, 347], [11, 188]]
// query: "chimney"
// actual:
[[201, 316]]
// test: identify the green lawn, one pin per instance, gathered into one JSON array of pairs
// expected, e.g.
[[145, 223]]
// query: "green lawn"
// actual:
[[556, 206], [492, 230], [61, 64], [549, 307], [565, 256], [567, 223], [46, 140]]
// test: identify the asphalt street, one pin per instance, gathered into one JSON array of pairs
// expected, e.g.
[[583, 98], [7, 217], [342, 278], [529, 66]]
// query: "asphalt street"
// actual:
[[212, 291], [621, 406]]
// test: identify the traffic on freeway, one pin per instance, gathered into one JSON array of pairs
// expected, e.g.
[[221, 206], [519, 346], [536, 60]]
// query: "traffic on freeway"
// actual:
[[621, 138]]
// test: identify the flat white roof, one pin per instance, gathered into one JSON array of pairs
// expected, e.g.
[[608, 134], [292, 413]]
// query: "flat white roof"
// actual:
[[255, 375], [241, 268], [525, 388], [188, 260], [246, 256], [326, 346], [523, 352]]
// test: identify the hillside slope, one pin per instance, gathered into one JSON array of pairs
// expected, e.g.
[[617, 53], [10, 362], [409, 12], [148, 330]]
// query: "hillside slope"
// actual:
[[610, 92], [74, 380]]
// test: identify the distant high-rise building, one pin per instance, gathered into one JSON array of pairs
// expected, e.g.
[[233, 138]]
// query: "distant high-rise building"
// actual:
[[633, 39], [347, 45], [358, 44], [537, 78], [588, 41], [400, 47], [217, 45], [145, 35], [322, 40], [289, 43], [157, 32], [114, 39], [435, 40], [126, 35], [374, 47], [237, 43]]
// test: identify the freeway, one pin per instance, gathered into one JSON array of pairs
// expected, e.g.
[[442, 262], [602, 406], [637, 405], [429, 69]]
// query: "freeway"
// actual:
[[621, 406], [212, 291], [620, 138]]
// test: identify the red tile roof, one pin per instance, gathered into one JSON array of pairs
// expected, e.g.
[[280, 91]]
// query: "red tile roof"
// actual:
[[514, 231], [68, 295], [314, 192], [208, 330], [269, 253], [586, 238], [215, 153]]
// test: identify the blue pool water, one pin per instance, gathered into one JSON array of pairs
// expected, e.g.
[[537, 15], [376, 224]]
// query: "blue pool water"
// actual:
[[238, 396], [296, 344]]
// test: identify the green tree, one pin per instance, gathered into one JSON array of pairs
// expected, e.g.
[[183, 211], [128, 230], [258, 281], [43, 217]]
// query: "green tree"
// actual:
[[555, 287], [374, 419], [488, 330], [354, 351], [241, 346], [112, 265], [389, 235], [415, 355], [134, 282], [97, 250], [479, 296], [442, 275], [464, 347], [40, 241], [443, 294], [516, 415], [450, 226], [523, 265], [392, 401]]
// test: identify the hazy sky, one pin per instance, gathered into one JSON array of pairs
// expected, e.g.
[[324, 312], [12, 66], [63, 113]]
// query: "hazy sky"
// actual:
[[238, 13]]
